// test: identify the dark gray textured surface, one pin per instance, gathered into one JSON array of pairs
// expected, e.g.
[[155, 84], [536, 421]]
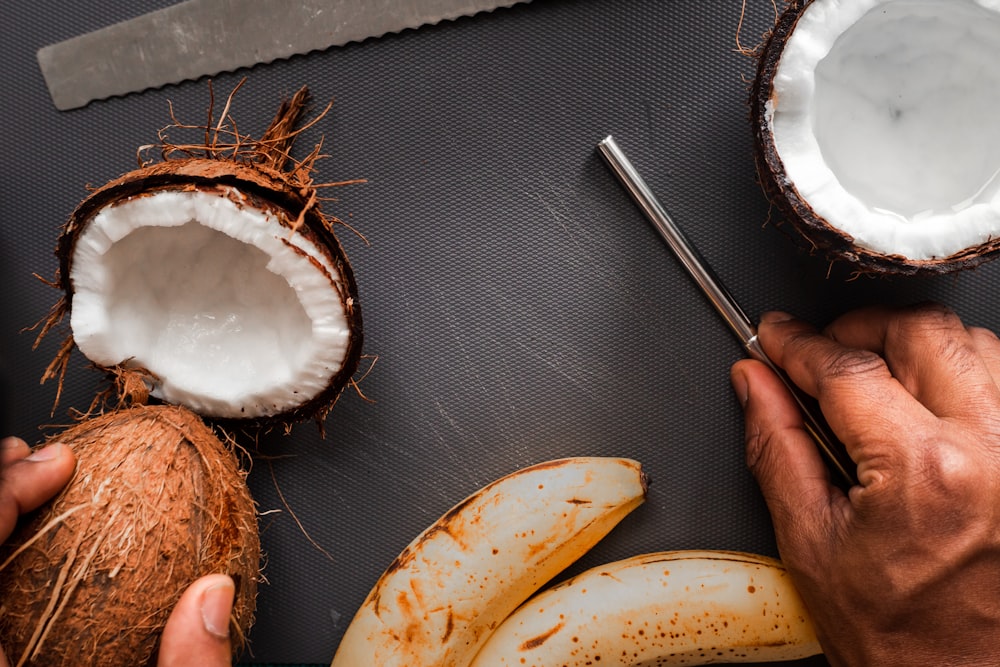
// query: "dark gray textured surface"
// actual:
[[520, 307]]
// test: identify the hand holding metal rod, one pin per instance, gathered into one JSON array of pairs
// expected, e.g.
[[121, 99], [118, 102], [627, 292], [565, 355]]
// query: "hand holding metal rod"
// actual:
[[724, 303]]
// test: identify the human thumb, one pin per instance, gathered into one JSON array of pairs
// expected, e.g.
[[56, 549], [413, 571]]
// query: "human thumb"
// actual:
[[782, 455], [197, 632]]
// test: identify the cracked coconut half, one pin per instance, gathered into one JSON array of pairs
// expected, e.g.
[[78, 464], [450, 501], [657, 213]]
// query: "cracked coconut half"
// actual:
[[876, 133], [215, 275]]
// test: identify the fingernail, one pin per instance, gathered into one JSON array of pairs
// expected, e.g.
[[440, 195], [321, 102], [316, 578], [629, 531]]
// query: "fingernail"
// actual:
[[741, 387], [776, 317], [11, 442], [216, 607], [47, 453]]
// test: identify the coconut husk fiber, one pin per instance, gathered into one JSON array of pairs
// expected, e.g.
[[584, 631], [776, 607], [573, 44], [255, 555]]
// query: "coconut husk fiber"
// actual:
[[157, 501]]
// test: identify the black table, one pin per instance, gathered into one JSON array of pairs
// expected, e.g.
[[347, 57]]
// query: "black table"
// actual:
[[520, 307]]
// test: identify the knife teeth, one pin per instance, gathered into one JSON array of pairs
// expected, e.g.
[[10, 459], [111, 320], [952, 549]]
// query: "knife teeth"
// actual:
[[185, 42]]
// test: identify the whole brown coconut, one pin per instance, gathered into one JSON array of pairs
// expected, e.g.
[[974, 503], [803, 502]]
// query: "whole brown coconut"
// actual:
[[156, 502], [874, 131]]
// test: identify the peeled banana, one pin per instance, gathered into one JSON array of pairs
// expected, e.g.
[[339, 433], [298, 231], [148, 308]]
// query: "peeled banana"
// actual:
[[667, 608], [438, 601]]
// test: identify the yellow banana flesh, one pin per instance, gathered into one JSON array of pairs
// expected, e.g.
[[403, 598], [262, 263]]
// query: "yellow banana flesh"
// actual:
[[667, 608], [438, 601]]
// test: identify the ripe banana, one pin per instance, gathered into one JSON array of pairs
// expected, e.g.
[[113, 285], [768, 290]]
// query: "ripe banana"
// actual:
[[438, 601], [668, 608]]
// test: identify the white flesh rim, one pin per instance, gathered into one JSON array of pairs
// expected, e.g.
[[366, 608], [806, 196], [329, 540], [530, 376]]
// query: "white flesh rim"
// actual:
[[884, 115], [217, 299]]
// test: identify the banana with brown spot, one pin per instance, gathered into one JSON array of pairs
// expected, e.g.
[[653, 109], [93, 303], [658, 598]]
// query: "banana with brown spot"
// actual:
[[667, 608], [452, 586]]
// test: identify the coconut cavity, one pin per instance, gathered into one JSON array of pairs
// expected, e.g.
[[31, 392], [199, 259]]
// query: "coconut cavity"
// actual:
[[883, 115], [232, 313], [157, 501]]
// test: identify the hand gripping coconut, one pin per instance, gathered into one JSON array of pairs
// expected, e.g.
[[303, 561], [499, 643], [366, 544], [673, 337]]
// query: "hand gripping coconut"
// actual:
[[212, 282], [875, 130], [156, 502]]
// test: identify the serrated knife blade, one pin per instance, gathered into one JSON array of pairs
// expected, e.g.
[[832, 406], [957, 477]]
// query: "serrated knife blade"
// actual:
[[198, 38]]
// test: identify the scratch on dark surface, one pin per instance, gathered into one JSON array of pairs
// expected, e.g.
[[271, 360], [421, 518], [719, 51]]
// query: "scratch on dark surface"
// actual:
[[576, 379], [590, 248], [453, 443], [469, 362]]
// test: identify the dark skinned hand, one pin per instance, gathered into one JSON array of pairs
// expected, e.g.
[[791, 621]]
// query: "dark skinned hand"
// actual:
[[197, 632], [904, 569]]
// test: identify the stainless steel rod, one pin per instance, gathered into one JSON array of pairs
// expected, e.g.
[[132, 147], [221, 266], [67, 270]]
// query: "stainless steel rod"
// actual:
[[723, 301]]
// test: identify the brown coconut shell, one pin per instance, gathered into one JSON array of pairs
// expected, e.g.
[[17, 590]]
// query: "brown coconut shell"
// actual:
[[269, 180], [819, 235], [263, 188], [156, 502]]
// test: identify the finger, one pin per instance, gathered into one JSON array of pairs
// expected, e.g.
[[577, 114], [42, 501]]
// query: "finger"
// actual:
[[805, 507], [987, 344], [862, 402], [13, 449], [197, 632], [27, 483], [929, 351]]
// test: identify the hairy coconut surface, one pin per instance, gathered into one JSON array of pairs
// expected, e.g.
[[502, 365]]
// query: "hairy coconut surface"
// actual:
[[156, 502], [875, 133], [216, 272]]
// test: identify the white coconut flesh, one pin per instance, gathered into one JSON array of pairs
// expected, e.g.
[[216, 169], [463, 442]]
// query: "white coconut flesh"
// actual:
[[233, 314], [884, 114]]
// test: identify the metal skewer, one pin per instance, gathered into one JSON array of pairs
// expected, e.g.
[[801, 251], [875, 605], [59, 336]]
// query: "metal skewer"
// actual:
[[731, 312]]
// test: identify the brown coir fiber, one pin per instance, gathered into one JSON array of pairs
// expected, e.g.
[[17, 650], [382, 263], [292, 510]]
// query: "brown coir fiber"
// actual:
[[156, 502]]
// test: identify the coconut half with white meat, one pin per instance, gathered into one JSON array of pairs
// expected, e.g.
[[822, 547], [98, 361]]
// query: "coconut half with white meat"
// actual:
[[219, 280], [876, 134]]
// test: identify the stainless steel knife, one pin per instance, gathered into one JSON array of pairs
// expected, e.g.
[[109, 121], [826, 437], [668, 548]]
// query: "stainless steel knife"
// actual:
[[837, 457], [196, 38]]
